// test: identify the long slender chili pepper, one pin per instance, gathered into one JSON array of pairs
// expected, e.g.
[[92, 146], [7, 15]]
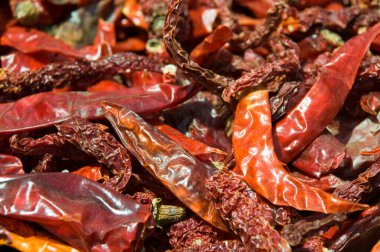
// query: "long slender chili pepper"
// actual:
[[70, 73], [256, 158], [321, 104], [183, 174]]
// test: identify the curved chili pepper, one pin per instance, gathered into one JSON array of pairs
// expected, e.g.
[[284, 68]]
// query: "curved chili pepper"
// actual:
[[10, 165], [174, 167], [321, 104], [256, 158]]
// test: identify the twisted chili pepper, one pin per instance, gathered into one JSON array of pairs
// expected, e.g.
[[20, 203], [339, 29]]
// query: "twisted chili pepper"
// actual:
[[256, 158], [321, 104]]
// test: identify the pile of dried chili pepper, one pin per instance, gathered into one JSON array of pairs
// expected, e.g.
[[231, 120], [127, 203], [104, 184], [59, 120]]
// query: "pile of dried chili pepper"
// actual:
[[190, 125]]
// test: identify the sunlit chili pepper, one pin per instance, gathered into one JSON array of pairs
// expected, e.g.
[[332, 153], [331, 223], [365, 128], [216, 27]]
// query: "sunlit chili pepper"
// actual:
[[255, 156], [324, 100], [177, 169]]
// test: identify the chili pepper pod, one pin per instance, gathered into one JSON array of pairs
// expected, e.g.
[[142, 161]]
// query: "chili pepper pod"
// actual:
[[321, 104], [79, 211], [257, 161], [177, 169], [46, 109]]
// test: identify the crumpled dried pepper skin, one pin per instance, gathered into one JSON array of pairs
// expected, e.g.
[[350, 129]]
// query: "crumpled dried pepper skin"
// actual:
[[96, 142], [242, 210], [324, 100], [295, 233], [265, 174], [58, 107], [220, 246], [190, 233], [66, 205], [177, 169], [77, 134], [69, 73], [361, 236], [209, 79], [365, 183]]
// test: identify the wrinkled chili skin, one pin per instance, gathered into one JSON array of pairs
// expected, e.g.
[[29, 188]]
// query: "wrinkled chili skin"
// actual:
[[10, 165], [227, 245], [63, 204], [257, 161], [75, 135], [243, 211], [191, 232], [46, 109], [177, 169], [69, 73], [324, 99], [209, 79], [362, 235], [365, 183], [296, 233]]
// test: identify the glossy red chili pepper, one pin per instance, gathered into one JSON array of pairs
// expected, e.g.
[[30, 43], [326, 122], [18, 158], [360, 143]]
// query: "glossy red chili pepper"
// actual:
[[324, 100], [45, 109], [179, 171], [256, 158], [10, 165]]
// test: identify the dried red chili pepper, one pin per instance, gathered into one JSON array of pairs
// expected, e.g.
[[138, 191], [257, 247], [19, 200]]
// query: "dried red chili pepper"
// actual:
[[10, 165], [257, 161], [200, 150], [371, 103], [79, 134], [211, 44], [65, 203], [209, 79], [297, 232], [190, 233], [227, 245], [324, 155], [23, 237], [313, 244], [46, 109], [326, 183], [242, 210], [362, 235], [93, 173], [177, 169], [364, 184], [58, 75], [324, 99]]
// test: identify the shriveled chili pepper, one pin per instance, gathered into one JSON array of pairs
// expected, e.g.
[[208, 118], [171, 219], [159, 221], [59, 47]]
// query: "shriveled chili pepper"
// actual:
[[361, 235], [244, 213], [89, 138], [326, 183], [371, 103], [257, 161], [191, 232], [45, 109], [297, 232], [177, 169], [65, 204], [365, 183], [226, 245], [71, 73], [321, 104]]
